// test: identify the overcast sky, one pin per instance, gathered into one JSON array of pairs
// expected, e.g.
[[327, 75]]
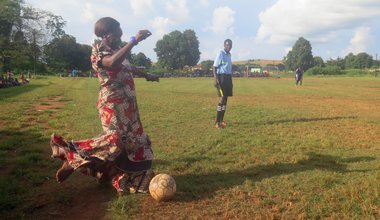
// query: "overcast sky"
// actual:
[[259, 29]]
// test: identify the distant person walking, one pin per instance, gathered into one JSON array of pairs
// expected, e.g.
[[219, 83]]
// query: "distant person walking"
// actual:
[[222, 71], [74, 72], [299, 75]]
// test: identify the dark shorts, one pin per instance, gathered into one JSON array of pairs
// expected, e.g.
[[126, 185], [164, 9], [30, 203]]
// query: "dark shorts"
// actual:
[[225, 85]]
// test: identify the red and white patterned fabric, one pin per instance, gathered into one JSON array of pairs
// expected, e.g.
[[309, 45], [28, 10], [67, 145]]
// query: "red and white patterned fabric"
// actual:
[[119, 114]]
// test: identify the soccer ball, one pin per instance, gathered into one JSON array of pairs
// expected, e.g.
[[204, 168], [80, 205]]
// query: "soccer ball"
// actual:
[[162, 187]]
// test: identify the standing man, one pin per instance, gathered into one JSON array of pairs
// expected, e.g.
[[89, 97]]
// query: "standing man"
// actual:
[[299, 75], [223, 81]]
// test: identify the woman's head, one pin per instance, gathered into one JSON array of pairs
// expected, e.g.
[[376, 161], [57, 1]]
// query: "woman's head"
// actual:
[[109, 29]]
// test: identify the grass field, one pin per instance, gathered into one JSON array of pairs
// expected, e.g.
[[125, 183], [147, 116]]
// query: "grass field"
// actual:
[[310, 152]]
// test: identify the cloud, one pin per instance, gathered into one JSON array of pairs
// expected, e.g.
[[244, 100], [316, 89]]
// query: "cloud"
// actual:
[[222, 21], [360, 41], [88, 14], [160, 25], [178, 10], [142, 7], [319, 20], [204, 3]]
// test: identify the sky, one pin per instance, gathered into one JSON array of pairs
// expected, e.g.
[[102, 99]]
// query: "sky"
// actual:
[[259, 29]]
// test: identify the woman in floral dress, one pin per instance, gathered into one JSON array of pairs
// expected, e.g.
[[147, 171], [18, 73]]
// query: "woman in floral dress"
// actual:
[[123, 150]]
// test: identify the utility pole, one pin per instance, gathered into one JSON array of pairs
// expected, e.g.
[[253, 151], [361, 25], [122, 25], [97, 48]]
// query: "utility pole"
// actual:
[[377, 66]]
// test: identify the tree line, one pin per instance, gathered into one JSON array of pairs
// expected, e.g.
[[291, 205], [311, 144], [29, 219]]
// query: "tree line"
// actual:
[[34, 40], [301, 56]]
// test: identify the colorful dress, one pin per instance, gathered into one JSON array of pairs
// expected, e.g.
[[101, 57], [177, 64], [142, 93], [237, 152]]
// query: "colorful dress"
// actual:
[[117, 106], [118, 111]]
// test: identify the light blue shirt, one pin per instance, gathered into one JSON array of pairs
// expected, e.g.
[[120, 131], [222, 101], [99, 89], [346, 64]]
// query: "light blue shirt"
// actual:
[[223, 63]]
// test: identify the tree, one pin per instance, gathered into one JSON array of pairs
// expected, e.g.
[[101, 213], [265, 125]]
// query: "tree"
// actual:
[[83, 61], [206, 66], [363, 60], [9, 12], [20, 52], [349, 61], [64, 53], [190, 48], [176, 50], [23, 32], [318, 61], [141, 60], [300, 55]]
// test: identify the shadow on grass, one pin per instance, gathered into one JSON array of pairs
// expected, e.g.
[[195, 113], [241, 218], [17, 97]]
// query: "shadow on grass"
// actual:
[[294, 120], [7, 93], [195, 187], [22, 164]]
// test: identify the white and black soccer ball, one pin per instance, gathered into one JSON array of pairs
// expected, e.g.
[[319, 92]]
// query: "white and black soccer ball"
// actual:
[[162, 187]]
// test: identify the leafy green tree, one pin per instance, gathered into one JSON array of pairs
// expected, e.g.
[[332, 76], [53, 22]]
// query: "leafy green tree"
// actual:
[[190, 48], [349, 61], [206, 66], [339, 62], [363, 60], [64, 53], [318, 61], [83, 61], [141, 60], [20, 52], [176, 50], [300, 55], [24, 30], [9, 12]]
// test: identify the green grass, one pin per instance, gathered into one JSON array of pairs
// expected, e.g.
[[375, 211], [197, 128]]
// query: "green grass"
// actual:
[[289, 152]]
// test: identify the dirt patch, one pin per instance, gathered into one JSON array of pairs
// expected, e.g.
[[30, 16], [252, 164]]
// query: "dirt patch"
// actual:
[[51, 103], [79, 197]]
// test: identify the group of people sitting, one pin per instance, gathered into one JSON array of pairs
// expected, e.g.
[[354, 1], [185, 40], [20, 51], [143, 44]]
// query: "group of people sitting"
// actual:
[[9, 80]]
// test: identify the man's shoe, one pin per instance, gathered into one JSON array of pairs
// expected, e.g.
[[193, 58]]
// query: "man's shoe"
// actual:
[[223, 124], [217, 126]]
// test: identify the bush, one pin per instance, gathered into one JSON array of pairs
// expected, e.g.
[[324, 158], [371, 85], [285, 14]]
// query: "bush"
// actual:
[[357, 72], [329, 70]]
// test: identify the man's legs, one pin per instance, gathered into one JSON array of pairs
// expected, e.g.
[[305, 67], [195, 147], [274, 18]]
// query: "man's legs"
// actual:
[[220, 110], [224, 107]]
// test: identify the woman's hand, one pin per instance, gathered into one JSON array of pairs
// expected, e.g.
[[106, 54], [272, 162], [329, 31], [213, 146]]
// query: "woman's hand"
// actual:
[[142, 35]]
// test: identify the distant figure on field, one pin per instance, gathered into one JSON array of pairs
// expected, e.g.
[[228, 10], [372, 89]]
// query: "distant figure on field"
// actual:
[[299, 75], [22, 77], [73, 72]]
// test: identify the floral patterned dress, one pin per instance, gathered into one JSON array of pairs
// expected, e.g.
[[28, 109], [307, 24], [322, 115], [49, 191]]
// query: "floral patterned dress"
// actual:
[[119, 114]]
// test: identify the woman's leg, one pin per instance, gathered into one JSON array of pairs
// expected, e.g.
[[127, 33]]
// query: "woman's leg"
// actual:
[[85, 154], [137, 182]]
